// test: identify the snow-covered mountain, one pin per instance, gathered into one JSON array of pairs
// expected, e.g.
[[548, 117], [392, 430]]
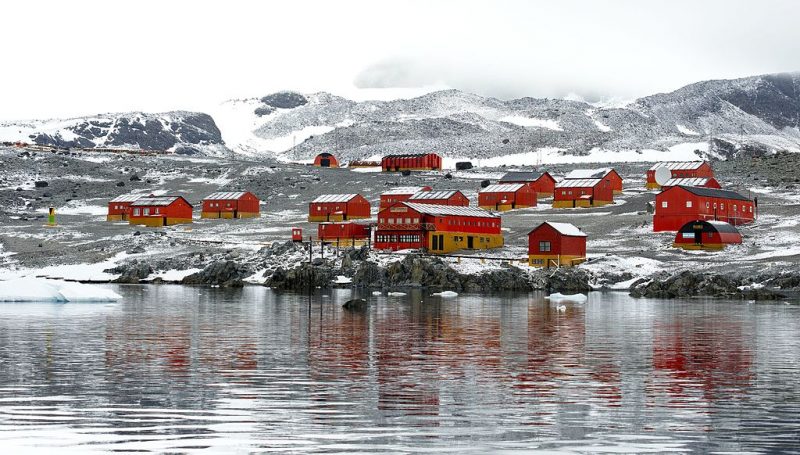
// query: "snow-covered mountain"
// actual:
[[713, 118], [179, 132]]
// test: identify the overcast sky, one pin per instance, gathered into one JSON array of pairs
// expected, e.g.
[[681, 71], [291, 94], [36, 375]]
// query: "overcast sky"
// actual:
[[77, 57]]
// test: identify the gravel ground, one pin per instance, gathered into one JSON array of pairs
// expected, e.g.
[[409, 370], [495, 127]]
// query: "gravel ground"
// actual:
[[621, 242]]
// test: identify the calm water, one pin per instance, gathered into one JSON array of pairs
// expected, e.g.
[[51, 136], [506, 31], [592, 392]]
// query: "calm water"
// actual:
[[176, 369]]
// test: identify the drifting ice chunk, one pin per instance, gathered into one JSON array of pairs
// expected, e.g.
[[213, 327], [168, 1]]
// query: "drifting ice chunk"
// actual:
[[43, 290], [446, 294], [396, 294], [341, 279], [376, 293], [557, 297]]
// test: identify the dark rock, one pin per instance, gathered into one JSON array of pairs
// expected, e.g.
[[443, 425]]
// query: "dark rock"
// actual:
[[221, 273], [264, 110], [285, 100], [132, 272], [302, 277], [40, 184], [356, 305], [693, 284], [485, 183], [120, 184], [135, 178], [463, 165]]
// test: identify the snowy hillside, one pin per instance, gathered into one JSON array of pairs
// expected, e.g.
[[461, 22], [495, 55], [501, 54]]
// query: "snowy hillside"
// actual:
[[757, 114], [180, 132]]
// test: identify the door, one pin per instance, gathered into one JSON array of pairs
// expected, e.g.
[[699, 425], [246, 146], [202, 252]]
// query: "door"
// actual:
[[165, 220], [470, 242], [236, 214], [325, 162], [434, 242], [698, 234]]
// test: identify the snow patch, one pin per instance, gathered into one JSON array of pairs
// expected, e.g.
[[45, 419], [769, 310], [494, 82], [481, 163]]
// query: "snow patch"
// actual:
[[533, 122], [43, 290]]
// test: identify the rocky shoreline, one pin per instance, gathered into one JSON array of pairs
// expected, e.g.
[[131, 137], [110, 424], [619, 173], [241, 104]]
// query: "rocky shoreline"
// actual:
[[273, 267]]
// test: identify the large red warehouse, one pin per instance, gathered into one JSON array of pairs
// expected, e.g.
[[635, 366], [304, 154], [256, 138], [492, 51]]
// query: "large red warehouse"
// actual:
[[543, 184], [506, 196], [400, 194], [678, 205], [606, 173], [230, 204], [583, 193], [438, 228], [343, 234], [706, 235], [160, 211], [441, 197], [325, 159], [338, 207], [411, 162], [680, 169], [556, 244], [119, 207], [706, 182]]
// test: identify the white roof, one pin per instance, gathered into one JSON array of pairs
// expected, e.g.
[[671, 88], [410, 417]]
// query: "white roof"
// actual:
[[435, 209], [588, 173], [687, 181], [502, 188], [434, 194], [334, 198], [578, 183], [222, 195], [156, 200], [678, 165], [128, 198], [566, 229], [403, 190]]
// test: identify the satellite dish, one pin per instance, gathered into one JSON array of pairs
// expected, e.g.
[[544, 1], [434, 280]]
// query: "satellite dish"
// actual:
[[663, 175]]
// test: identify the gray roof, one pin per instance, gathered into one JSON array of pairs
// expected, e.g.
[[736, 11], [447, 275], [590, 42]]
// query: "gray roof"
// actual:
[[518, 176], [435, 209], [564, 229], [578, 183], [588, 173], [678, 165], [434, 194], [128, 198], [156, 200], [403, 190], [687, 181], [713, 192], [334, 198], [223, 195], [503, 188]]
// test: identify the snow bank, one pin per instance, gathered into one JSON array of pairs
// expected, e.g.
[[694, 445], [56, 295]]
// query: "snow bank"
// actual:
[[558, 297], [533, 122], [43, 290]]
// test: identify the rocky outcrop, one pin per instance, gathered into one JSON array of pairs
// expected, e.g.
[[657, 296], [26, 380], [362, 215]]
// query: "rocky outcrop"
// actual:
[[132, 272], [688, 284], [302, 277], [225, 273]]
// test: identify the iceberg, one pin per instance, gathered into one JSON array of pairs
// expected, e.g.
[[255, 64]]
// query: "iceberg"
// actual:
[[44, 290]]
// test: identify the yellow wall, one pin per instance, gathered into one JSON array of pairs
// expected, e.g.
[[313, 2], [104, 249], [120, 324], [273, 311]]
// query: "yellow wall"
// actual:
[[451, 244], [705, 246], [504, 207], [156, 221], [323, 218], [346, 242], [652, 186], [209, 214], [115, 218], [578, 203], [543, 195], [229, 215], [553, 260]]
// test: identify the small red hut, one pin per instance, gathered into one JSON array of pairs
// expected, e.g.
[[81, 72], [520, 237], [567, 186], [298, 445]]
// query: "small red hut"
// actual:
[[583, 193], [682, 169], [556, 244], [119, 207], [678, 205], [325, 159], [542, 184], [343, 234], [441, 197], [231, 204], [706, 235], [160, 211], [411, 162], [606, 173], [338, 207], [506, 196], [400, 194], [704, 182]]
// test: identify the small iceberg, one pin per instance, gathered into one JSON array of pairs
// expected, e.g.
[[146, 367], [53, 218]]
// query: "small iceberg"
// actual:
[[396, 294], [446, 294], [44, 290], [561, 308], [341, 279], [377, 293], [558, 297]]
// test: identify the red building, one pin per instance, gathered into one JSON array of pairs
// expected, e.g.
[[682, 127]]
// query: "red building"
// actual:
[[705, 182], [119, 208], [706, 235], [606, 173], [506, 196], [583, 193], [556, 245], [441, 197], [343, 234], [160, 211], [411, 162], [338, 207], [400, 194], [437, 228], [678, 205], [231, 204], [325, 159], [679, 170], [542, 184]]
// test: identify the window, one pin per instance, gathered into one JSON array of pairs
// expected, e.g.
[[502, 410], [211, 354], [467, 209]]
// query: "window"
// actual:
[[663, 204], [408, 220], [563, 193], [146, 211], [722, 206], [751, 209], [135, 212], [544, 246], [734, 207], [688, 204], [707, 205]]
